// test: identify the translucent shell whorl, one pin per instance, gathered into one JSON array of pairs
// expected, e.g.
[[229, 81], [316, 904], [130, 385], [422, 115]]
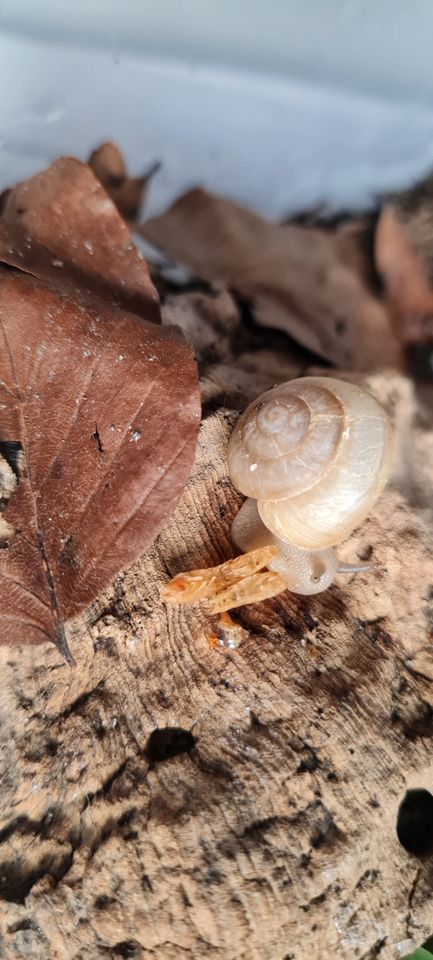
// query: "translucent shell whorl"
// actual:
[[315, 453]]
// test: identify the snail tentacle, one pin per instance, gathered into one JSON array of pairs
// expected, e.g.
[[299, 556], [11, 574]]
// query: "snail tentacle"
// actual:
[[355, 567]]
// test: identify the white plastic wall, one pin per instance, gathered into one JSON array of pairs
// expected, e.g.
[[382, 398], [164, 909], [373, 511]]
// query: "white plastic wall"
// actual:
[[277, 103]]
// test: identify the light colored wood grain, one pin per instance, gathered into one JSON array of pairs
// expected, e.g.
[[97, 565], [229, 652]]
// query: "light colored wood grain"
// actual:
[[275, 837]]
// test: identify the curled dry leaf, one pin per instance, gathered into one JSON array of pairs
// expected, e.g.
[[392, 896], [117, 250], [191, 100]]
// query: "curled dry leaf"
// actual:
[[108, 165], [402, 257], [299, 280], [106, 409], [128, 193], [414, 211], [354, 246], [66, 210]]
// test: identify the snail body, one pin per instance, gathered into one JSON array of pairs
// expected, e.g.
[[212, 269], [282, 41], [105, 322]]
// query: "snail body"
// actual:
[[303, 571], [312, 456]]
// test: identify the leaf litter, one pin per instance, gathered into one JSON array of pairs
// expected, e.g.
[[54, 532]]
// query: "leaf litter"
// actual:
[[87, 388]]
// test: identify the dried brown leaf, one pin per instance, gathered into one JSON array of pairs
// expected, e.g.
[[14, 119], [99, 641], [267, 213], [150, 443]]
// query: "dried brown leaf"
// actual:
[[414, 209], [108, 165], [297, 278], [402, 265], [106, 409], [66, 211], [354, 246], [128, 193], [404, 258]]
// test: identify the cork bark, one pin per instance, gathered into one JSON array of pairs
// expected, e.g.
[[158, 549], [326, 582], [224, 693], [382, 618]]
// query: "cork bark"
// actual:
[[271, 834]]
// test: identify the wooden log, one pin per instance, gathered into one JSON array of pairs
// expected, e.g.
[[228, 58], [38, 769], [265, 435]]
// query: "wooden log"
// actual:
[[259, 821]]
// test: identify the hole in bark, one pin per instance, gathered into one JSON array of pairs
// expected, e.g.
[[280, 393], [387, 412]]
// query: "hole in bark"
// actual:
[[310, 764], [415, 822], [325, 832], [129, 949], [168, 742], [103, 902], [25, 924], [16, 881]]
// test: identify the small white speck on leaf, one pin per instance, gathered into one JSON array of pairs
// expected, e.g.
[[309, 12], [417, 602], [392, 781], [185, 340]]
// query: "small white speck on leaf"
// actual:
[[253, 467]]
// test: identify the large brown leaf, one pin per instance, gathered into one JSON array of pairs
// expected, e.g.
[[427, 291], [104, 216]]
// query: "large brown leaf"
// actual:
[[106, 408], [66, 210], [307, 282]]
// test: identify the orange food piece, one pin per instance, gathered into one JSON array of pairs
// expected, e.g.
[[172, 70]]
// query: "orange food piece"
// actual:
[[230, 584]]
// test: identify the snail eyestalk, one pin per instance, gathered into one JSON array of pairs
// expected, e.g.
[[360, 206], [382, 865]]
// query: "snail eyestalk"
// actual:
[[355, 567]]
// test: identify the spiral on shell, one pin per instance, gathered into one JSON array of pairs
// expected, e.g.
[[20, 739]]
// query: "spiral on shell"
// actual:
[[315, 454]]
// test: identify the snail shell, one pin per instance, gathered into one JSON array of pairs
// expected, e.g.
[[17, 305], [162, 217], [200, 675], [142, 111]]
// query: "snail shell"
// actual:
[[315, 453]]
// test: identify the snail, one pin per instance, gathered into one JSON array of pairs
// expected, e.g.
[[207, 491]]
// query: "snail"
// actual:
[[312, 456]]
